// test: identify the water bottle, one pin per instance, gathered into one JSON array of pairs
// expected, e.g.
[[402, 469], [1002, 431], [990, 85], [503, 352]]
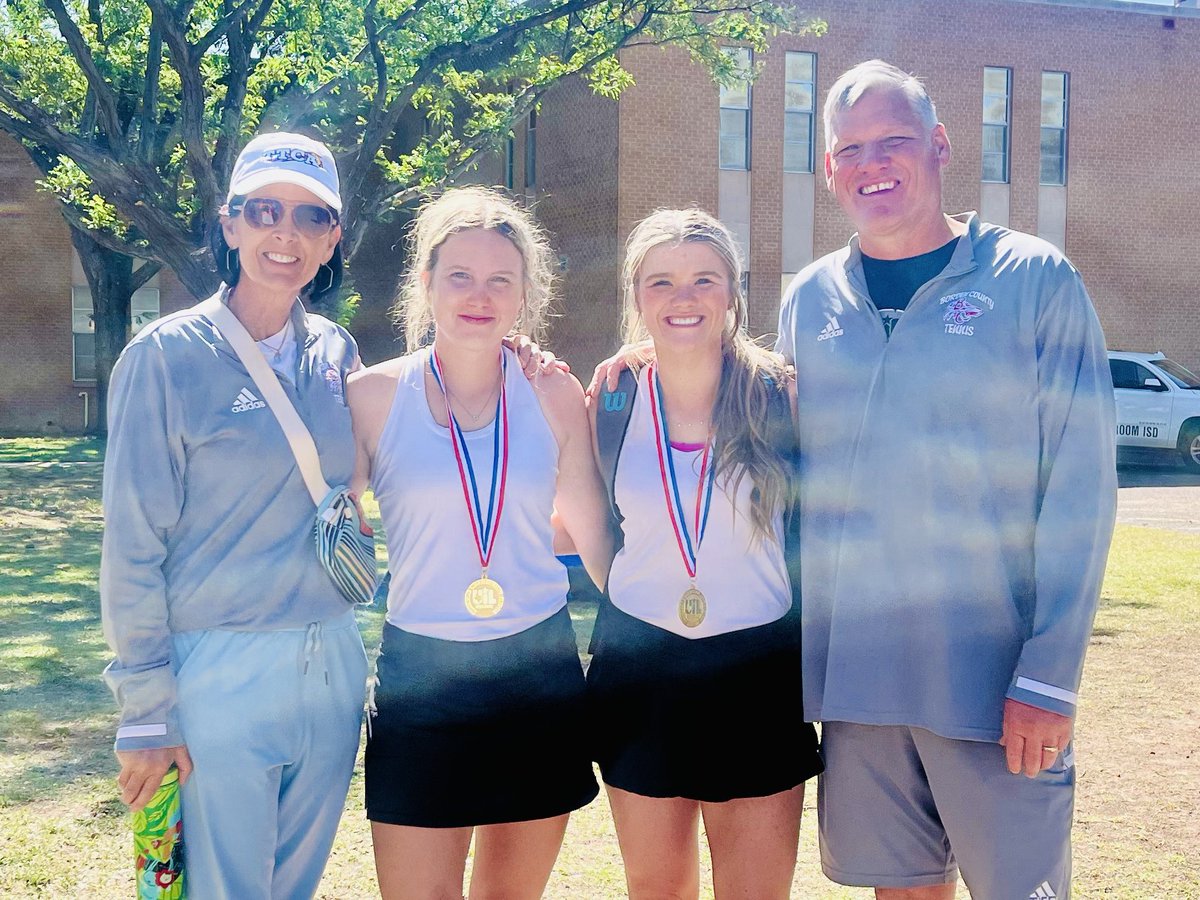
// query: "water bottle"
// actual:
[[158, 844]]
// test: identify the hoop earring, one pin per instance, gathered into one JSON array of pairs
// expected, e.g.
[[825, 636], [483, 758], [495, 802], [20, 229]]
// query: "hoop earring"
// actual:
[[325, 270], [233, 263]]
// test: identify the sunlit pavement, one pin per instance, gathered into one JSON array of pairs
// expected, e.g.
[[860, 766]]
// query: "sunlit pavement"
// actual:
[[1158, 492]]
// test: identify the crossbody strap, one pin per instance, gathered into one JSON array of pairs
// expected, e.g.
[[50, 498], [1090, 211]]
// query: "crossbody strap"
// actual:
[[298, 436]]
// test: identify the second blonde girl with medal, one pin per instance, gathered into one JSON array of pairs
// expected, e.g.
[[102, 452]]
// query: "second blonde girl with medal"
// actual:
[[695, 673], [481, 728]]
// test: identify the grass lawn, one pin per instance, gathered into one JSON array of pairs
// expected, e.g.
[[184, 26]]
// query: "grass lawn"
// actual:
[[41, 450], [63, 832]]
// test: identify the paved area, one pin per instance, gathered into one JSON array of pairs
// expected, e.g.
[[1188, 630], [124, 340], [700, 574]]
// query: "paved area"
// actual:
[[1161, 495]]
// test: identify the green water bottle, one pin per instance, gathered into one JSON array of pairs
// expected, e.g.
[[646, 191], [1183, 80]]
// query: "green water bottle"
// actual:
[[158, 844]]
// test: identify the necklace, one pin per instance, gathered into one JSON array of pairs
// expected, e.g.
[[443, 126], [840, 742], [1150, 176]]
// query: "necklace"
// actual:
[[474, 416], [278, 351]]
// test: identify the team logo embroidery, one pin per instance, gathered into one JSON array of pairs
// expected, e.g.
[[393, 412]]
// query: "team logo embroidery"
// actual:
[[333, 381], [293, 154], [246, 401], [831, 330], [961, 309], [960, 312], [614, 401], [1044, 892]]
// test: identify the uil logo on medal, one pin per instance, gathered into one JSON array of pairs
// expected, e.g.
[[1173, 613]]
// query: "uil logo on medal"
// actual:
[[692, 608], [484, 598]]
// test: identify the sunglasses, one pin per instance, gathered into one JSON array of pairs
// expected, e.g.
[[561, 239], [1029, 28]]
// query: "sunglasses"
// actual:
[[310, 219]]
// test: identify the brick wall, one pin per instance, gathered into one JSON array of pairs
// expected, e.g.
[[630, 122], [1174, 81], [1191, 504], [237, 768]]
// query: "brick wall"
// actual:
[[576, 200], [36, 388]]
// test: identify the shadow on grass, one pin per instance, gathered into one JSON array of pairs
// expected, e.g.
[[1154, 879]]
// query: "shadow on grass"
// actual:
[[56, 715], [22, 450], [1111, 603]]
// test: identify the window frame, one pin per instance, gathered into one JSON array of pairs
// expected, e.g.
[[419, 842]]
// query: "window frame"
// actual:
[[809, 113], [1005, 127], [136, 302], [1065, 104], [531, 151], [744, 110]]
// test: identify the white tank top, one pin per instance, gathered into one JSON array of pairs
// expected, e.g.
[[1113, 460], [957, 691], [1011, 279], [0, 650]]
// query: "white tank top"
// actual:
[[432, 553], [744, 580]]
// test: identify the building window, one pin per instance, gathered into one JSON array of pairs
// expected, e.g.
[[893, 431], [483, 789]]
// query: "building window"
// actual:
[[799, 107], [510, 173], [1054, 128], [735, 114], [143, 309], [531, 151], [997, 109]]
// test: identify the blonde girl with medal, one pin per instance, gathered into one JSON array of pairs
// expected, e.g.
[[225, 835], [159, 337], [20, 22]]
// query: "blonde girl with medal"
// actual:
[[695, 674], [480, 728]]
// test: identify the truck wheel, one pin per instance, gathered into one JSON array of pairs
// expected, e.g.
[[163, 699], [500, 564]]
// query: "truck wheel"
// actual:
[[1189, 446]]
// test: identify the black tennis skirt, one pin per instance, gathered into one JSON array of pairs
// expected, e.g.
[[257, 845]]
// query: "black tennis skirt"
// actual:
[[711, 719], [479, 732]]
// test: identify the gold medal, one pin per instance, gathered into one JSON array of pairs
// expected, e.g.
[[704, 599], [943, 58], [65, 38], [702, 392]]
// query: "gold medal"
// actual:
[[692, 607], [484, 598]]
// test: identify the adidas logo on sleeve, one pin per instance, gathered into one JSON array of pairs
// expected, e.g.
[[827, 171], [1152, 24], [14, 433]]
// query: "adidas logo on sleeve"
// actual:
[[1044, 892], [832, 329], [246, 401]]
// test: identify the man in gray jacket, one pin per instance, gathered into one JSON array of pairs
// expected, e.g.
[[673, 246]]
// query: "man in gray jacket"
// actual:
[[958, 477]]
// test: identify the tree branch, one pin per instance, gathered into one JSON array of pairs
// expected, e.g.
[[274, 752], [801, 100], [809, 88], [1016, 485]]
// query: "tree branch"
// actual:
[[191, 108], [221, 28], [106, 102], [144, 273], [149, 123]]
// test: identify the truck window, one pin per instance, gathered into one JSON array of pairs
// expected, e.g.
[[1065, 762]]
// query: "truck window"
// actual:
[[1129, 375]]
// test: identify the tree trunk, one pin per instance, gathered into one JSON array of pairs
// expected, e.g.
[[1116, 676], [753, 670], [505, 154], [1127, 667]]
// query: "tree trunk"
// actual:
[[110, 278]]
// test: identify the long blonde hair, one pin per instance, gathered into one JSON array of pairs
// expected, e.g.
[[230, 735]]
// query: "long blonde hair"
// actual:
[[460, 209], [742, 429]]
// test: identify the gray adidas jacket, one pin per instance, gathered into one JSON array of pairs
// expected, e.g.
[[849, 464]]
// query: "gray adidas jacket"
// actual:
[[959, 486], [207, 522]]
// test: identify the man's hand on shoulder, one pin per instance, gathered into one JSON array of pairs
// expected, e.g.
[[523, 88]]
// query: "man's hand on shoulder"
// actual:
[[1032, 737], [631, 356]]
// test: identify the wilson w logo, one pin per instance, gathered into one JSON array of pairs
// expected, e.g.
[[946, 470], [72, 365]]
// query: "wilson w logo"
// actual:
[[614, 401]]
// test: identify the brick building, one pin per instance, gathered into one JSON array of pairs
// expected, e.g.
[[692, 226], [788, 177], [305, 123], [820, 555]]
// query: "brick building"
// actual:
[[1068, 118]]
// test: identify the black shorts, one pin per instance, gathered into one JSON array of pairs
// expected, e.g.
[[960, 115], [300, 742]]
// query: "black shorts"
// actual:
[[712, 719], [479, 732]]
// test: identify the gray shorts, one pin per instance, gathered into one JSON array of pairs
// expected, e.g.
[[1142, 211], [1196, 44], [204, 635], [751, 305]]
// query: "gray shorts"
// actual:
[[904, 807]]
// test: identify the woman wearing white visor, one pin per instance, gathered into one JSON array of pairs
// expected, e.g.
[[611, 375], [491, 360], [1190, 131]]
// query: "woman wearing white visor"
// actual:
[[237, 659]]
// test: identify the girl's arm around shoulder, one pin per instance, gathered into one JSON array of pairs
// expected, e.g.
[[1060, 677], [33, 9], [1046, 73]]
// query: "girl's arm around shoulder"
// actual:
[[369, 393], [580, 499]]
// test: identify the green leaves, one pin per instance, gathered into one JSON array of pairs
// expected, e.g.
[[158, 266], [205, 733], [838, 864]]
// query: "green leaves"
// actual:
[[73, 187]]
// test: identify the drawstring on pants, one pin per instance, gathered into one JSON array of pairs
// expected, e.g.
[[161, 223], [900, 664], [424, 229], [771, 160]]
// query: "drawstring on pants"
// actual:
[[314, 646]]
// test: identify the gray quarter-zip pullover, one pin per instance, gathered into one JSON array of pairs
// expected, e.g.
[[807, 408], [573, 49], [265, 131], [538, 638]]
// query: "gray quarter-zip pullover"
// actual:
[[208, 523], [958, 486]]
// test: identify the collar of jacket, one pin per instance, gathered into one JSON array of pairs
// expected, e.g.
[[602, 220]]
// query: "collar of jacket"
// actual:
[[961, 262]]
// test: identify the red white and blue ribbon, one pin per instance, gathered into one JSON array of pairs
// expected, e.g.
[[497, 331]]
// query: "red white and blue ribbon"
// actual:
[[688, 541], [483, 528]]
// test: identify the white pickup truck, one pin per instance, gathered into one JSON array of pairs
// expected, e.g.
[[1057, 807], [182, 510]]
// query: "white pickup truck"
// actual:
[[1158, 404]]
